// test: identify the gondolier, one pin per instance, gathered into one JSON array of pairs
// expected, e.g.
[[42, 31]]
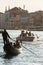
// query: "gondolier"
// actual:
[[5, 36]]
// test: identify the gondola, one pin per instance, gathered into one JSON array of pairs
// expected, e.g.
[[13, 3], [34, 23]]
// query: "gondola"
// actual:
[[26, 36], [29, 38], [12, 49]]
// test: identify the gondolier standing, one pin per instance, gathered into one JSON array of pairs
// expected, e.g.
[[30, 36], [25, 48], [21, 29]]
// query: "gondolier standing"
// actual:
[[5, 36]]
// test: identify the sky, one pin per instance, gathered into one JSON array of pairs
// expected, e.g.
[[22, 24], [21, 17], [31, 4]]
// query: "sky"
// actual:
[[30, 5]]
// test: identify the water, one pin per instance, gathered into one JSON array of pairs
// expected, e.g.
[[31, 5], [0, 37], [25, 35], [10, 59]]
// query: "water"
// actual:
[[26, 57]]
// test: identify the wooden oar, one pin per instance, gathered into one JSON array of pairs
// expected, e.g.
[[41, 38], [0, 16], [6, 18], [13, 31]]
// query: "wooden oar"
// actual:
[[37, 35], [12, 39], [30, 50]]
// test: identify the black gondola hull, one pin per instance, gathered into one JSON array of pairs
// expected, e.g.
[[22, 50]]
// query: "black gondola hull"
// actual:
[[9, 49]]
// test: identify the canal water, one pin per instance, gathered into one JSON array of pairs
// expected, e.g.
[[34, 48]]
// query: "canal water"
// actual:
[[32, 54]]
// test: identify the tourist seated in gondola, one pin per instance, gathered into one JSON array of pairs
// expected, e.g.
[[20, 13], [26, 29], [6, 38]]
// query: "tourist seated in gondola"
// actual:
[[17, 43], [26, 33], [14, 44], [29, 34], [22, 33]]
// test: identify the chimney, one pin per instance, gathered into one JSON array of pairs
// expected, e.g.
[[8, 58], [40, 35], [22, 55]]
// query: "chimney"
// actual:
[[24, 7], [5, 8], [8, 7]]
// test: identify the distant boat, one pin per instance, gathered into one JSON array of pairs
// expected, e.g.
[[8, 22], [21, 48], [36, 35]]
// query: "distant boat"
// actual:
[[11, 49], [30, 38], [26, 37]]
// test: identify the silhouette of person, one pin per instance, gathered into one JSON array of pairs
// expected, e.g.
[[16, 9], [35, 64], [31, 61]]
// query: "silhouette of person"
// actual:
[[17, 43], [29, 33], [26, 33], [5, 36]]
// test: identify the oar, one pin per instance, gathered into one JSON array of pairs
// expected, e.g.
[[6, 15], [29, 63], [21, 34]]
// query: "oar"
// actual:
[[13, 39], [37, 35], [30, 50]]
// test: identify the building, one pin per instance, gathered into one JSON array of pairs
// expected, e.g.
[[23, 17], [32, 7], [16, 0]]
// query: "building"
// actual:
[[17, 18]]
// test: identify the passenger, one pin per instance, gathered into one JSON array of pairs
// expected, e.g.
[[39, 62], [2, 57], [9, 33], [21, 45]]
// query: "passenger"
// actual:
[[5, 36], [14, 45], [17, 43], [29, 33], [22, 33]]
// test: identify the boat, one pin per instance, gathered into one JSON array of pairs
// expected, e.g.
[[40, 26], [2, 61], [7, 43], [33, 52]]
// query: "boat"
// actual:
[[26, 36], [12, 49]]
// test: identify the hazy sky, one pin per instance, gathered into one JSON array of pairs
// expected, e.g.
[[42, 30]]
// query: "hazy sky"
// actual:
[[30, 5]]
